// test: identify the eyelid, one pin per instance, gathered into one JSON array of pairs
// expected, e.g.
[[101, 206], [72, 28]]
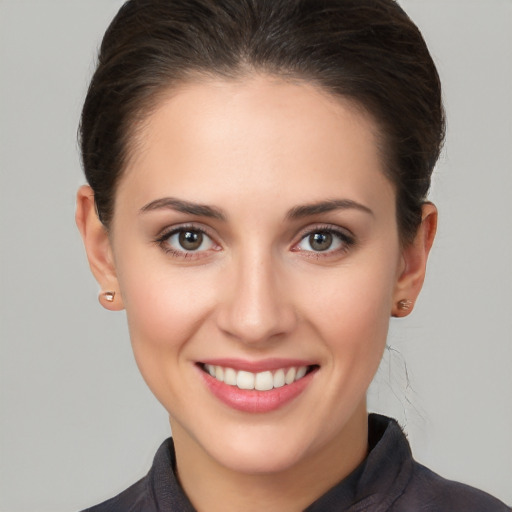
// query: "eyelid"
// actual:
[[347, 237], [331, 228], [176, 228], [169, 231]]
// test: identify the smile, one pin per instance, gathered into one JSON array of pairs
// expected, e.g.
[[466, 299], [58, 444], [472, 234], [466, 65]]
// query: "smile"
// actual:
[[267, 388], [261, 381]]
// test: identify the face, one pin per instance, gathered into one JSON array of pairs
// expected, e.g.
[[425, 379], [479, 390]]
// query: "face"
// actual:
[[254, 243]]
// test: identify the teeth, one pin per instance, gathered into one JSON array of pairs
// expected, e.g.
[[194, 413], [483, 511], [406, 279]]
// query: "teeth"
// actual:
[[279, 379], [262, 381], [290, 376], [219, 373], [245, 380], [301, 372], [230, 377]]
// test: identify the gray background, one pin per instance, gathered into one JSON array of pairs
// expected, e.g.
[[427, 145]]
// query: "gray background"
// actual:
[[77, 423]]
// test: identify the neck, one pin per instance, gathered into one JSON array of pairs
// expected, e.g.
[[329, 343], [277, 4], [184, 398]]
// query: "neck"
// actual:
[[207, 483]]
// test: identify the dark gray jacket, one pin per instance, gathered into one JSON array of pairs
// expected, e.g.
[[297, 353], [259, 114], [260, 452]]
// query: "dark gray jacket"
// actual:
[[388, 480]]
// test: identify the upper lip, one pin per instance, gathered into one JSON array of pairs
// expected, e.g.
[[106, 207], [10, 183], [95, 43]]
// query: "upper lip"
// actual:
[[257, 366]]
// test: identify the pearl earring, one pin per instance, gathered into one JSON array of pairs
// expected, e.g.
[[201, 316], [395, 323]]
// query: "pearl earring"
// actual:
[[405, 304], [109, 296]]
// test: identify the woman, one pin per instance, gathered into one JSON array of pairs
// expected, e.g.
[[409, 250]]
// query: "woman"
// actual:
[[257, 174]]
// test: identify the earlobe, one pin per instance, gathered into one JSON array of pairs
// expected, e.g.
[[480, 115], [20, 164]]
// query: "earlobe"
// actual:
[[98, 248], [110, 300], [414, 263]]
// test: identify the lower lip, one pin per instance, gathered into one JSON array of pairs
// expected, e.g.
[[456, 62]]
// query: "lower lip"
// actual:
[[256, 401]]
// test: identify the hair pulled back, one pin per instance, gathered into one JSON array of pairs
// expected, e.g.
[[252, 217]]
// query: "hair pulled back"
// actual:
[[367, 51]]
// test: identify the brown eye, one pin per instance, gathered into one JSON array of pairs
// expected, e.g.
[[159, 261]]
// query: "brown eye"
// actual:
[[187, 242], [320, 241], [190, 240], [325, 240]]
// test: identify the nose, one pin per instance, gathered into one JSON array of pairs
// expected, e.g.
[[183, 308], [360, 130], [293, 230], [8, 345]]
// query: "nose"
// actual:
[[257, 306]]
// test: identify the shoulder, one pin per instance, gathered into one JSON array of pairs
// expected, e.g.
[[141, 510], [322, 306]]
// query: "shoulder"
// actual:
[[159, 490], [429, 492], [133, 499], [393, 481], [141, 496]]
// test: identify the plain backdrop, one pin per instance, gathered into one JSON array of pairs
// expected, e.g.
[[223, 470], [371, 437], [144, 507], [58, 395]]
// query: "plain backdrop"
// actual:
[[78, 425]]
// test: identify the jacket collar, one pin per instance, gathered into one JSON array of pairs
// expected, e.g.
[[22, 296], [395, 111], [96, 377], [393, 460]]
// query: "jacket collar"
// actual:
[[373, 486]]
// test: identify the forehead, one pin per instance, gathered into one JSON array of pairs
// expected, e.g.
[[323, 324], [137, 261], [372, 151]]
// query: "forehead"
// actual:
[[256, 134]]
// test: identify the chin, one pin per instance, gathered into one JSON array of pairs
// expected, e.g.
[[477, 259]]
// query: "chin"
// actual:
[[267, 447], [259, 458]]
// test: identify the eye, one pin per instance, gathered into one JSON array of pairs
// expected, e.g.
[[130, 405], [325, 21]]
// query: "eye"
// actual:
[[183, 240], [321, 241], [325, 240], [190, 240]]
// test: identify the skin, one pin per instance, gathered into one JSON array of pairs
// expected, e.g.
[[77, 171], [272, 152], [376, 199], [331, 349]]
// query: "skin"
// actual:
[[255, 149]]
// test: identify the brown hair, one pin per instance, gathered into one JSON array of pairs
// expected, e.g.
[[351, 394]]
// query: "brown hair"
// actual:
[[368, 51]]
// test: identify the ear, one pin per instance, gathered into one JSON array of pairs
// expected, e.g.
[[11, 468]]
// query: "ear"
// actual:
[[98, 249], [414, 263]]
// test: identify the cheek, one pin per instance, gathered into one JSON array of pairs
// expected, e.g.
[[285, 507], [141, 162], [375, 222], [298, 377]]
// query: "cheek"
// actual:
[[351, 309], [164, 306], [356, 330], [165, 309]]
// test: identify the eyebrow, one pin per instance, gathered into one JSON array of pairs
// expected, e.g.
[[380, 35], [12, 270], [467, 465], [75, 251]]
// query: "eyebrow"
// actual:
[[179, 205], [298, 212], [330, 205]]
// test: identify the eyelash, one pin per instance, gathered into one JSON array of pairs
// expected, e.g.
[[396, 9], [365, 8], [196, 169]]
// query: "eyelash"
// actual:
[[162, 241], [346, 240]]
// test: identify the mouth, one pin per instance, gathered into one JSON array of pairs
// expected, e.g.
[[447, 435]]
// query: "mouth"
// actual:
[[266, 389], [259, 381]]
